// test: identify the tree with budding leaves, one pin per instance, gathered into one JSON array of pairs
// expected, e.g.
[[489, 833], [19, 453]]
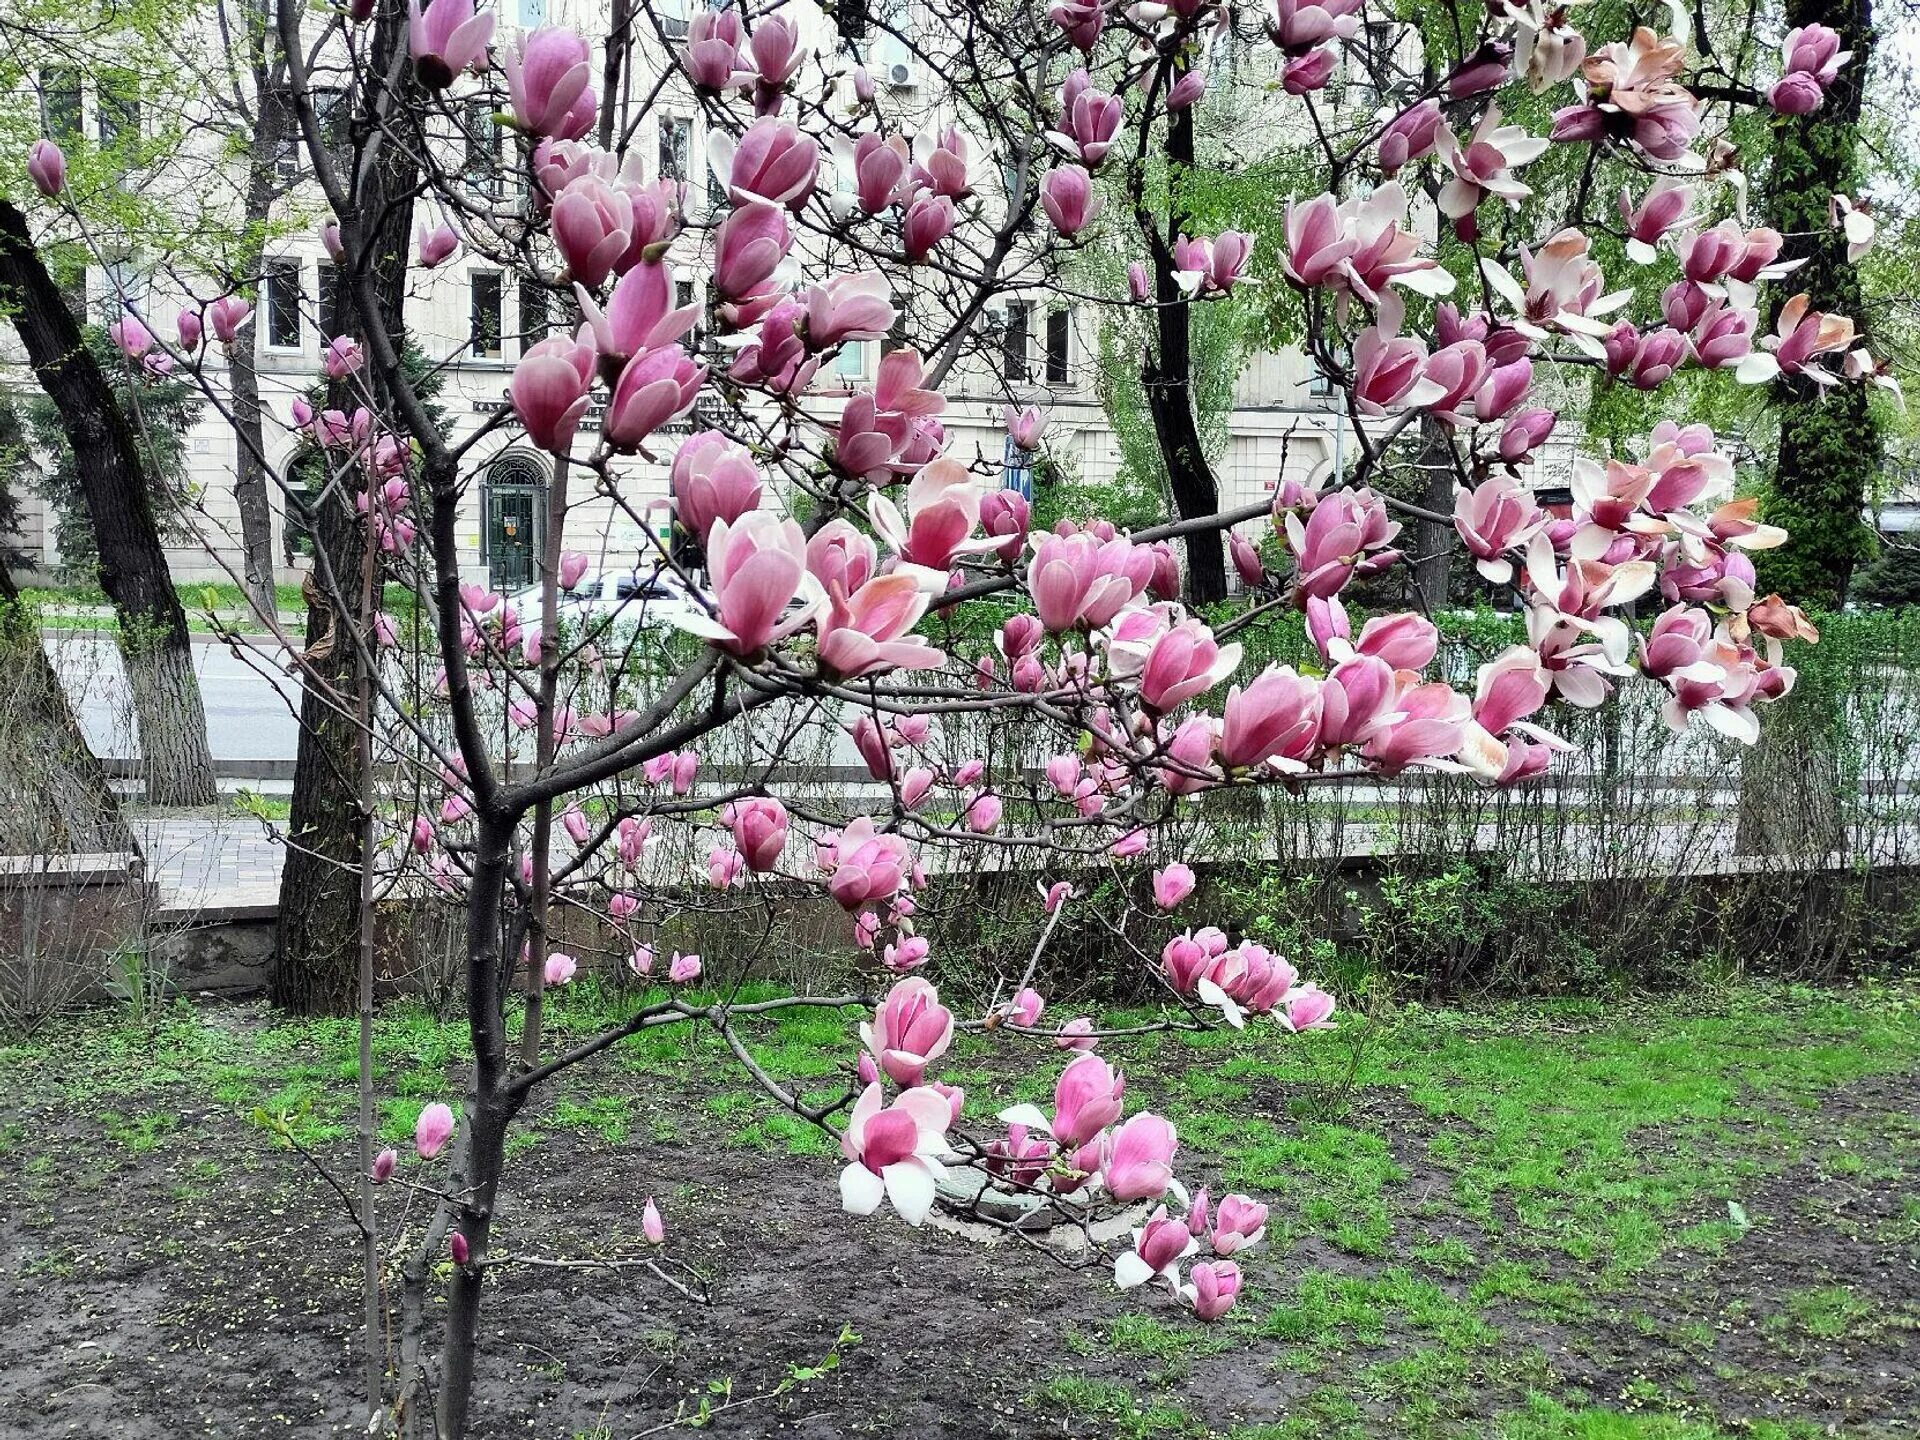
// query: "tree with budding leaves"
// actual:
[[562, 768]]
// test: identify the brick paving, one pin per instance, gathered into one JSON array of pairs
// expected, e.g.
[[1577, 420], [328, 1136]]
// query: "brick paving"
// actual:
[[200, 862]]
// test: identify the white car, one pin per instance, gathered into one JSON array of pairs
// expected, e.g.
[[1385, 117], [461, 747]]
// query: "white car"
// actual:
[[641, 596]]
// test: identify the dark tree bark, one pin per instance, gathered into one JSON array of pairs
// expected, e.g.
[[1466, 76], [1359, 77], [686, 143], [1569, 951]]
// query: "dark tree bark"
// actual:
[[54, 794], [1167, 376], [1830, 449], [1830, 442], [154, 642], [265, 111], [1433, 540], [316, 959]]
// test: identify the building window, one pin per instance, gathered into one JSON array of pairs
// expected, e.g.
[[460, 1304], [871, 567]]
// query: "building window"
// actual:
[[485, 331], [281, 290], [851, 363], [119, 109], [532, 13], [60, 91], [1013, 341], [716, 190], [851, 18], [533, 314], [481, 135], [1059, 341], [676, 144], [672, 15], [333, 299]]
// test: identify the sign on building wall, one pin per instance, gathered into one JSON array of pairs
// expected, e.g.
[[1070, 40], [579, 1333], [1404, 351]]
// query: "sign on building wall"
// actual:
[[1016, 472]]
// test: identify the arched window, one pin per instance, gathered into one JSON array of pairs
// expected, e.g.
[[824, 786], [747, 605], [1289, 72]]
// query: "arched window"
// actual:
[[514, 499]]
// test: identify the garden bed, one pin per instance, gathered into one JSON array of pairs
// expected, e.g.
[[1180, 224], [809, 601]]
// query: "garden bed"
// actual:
[[1680, 1220]]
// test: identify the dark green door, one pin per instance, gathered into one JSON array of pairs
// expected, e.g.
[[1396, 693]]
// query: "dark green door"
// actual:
[[513, 541]]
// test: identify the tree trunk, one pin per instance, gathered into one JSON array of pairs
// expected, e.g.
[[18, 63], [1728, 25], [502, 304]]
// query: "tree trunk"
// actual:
[[315, 963], [132, 565], [54, 795], [250, 476], [1830, 442], [1167, 376], [1830, 449], [250, 472], [1433, 540]]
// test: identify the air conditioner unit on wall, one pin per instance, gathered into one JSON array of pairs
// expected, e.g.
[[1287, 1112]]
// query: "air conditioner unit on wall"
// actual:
[[902, 75]]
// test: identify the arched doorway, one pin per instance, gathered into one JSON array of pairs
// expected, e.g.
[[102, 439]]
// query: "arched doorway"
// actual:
[[514, 497]]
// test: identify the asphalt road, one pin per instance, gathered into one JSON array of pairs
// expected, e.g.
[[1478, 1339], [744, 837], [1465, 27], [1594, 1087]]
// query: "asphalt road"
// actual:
[[250, 701]]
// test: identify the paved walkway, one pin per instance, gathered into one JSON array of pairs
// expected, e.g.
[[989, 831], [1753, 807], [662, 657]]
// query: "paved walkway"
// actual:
[[200, 862]]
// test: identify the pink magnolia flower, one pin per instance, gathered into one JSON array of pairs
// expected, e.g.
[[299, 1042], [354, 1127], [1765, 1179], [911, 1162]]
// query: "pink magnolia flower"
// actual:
[[550, 392], [1081, 21], [1497, 517], [683, 969], [1357, 701], [1239, 1224], [712, 479], [1186, 91], [759, 827], [847, 308], [713, 51], [910, 1030], [1485, 165], [751, 243], [1347, 534], [1067, 197], [559, 968], [1172, 885], [640, 962], [549, 86], [756, 566], [383, 1165], [343, 357], [929, 220], [655, 388], [130, 336], [943, 511], [1129, 846], [1410, 136], [1023, 1011], [47, 168], [891, 1152], [651, 1225], [942, 163], [459, 1248], [772, 163], [447, 38], [879, 168], [1077, 1034], [1086, 1099], [1304, 74], [432, 1130], [1212, 1288], [1140, 1166], [724, 867], [1308, 1008], [1183, 662], [1089, 120], [983, 813], [1025, 426], [867, 864], [1056, 895], [593, 228], [1082, 580], [226, 315], [777, 58], [1158, 1248], [907, 954], [1275, 721], [187, 326]]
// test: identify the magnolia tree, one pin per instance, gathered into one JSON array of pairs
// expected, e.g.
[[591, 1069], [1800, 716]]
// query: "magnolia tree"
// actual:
[[819, 547]]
